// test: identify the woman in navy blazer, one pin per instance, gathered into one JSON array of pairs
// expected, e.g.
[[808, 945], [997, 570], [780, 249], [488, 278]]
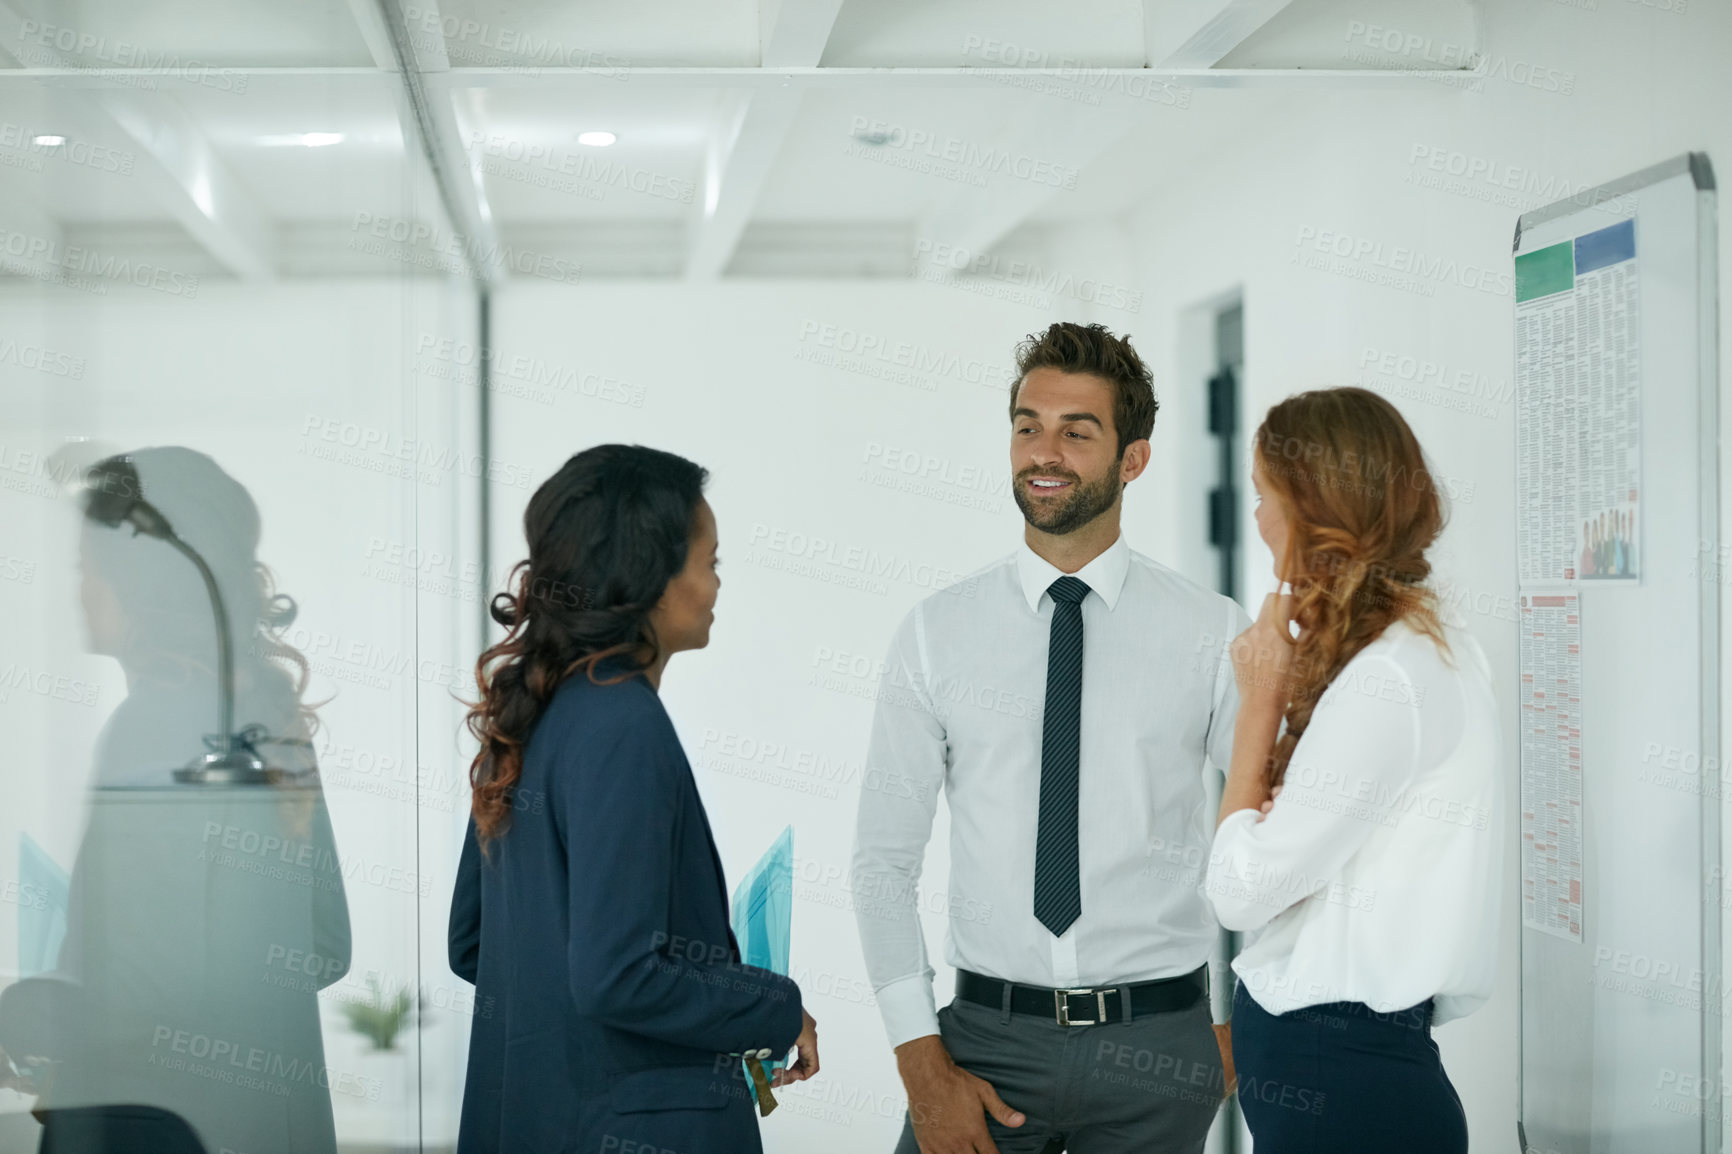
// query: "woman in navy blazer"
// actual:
[[612, 1010]]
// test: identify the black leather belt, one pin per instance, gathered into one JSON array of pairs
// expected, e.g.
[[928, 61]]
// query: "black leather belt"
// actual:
[[1087, 1007]]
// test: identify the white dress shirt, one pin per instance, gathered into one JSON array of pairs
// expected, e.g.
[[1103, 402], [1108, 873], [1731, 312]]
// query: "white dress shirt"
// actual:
[[1378, 874], [960, 709]]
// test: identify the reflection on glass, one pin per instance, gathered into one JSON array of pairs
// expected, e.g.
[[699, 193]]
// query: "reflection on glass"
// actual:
[[207, 909]]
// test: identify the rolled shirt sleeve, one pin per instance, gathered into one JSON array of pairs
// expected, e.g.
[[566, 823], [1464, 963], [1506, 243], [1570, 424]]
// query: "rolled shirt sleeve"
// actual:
[[1343, 783], [905, 765]]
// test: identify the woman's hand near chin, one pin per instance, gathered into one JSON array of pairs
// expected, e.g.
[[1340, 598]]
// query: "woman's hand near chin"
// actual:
[[1262, 656]]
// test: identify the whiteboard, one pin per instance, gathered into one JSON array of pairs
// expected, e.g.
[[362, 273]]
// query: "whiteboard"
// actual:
[[1618, 551]]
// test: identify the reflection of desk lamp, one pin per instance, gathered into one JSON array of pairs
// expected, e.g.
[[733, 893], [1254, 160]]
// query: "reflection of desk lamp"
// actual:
[[113, 496]]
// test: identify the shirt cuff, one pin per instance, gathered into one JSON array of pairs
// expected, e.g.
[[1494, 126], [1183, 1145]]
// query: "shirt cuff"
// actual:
[[1236, 819], [908, 1009]]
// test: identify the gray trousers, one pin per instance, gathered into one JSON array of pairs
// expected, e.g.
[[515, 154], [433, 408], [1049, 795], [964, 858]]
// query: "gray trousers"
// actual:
[[1149, 1086]]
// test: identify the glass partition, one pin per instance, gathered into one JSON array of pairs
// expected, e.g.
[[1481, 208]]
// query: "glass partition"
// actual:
[[238, 598]]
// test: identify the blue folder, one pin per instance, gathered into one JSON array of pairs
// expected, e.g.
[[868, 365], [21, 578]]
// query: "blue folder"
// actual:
[[763, 914]]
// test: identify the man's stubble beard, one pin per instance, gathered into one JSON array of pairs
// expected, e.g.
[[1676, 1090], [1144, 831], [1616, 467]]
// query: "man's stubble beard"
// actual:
[[1087, 500]]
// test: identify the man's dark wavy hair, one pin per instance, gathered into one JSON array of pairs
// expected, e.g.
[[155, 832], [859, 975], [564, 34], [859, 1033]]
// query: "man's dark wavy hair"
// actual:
[[1091, 349]]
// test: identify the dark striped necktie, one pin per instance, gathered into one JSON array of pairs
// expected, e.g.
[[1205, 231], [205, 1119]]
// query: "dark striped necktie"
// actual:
[[1057, 889]]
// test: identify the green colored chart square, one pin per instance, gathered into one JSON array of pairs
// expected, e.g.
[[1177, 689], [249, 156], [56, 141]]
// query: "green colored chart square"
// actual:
[[1545, 271]]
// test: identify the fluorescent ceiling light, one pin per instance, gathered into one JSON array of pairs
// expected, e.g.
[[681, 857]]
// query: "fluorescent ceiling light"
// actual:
[[302, 139], [48, 141], [596, 139]]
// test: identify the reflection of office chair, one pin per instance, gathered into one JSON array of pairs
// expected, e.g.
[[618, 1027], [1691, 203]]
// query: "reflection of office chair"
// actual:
[[119, 1130], [35, 1013], [114, 496]]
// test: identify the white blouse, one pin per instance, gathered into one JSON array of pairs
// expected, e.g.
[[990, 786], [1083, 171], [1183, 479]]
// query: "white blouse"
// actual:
[[1378, 874]]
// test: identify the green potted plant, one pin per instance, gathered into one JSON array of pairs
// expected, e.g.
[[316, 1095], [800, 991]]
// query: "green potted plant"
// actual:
[[379, 1016]]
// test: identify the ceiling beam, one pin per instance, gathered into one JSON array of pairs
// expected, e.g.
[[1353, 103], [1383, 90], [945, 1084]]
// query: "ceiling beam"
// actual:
[[958, 79], [174, 161], [739, 165], [12, 36], [419, 47], [193, 183], [793, 35], [1200, 33], [563, 80], [17, 217], [794, 32], [1051, 138], [375, 30]]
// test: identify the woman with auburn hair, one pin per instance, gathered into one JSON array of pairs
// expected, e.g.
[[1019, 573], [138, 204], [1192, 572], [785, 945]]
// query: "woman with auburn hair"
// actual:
[[590, 909], [1361, 824]]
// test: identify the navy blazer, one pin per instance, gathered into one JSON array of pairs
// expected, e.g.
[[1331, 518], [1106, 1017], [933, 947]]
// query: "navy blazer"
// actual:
[[609, 991]]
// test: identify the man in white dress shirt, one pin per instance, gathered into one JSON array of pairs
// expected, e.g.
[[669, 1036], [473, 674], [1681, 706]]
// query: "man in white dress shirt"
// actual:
[[1067, 709]]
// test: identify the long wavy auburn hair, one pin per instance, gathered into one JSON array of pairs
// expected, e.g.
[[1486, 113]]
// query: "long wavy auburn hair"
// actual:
[[1362, 507], [606, 534]]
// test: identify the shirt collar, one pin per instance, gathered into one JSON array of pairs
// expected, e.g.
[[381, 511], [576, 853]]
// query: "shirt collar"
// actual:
[[1104, 575]]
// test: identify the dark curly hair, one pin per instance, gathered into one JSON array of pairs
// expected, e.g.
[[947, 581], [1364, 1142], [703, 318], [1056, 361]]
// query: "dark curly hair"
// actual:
[[606, 534]]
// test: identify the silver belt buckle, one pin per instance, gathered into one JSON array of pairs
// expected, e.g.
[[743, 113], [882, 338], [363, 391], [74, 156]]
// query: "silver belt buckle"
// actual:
[[1061, 1007]]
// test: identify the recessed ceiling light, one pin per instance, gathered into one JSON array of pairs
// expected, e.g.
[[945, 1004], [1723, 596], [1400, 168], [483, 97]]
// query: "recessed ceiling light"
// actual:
[[48, 141], [299, 139], [596, 139]]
